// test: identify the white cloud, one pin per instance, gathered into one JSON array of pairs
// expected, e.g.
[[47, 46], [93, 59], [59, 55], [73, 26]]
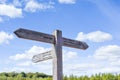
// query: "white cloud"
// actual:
[[16, 69], [18, 56], [67, 55], [67, 1], [29, 53], [115, 63], [90, 68], [97, 36], [110, 52], [5, 37], [110, 70], [26, 63], [10, 11], [82, 68], [33, 6], [71, 54]]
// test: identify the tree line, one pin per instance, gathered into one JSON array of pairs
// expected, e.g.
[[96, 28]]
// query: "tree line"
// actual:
[[42, 76], [24, 76]]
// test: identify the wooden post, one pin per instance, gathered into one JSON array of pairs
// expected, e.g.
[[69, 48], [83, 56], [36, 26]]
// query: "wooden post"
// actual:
[[57, 56], [57, 41]]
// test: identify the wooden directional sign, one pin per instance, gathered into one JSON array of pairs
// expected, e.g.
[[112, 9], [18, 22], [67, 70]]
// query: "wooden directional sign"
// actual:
[[33, 35], [56, 54], [43, 37], [43, 56]]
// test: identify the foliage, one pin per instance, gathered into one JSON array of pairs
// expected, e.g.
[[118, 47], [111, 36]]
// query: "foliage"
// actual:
[[42, 76], [24, 76]]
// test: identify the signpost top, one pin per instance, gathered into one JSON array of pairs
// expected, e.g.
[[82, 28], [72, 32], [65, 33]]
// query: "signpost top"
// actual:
[[43, 37]]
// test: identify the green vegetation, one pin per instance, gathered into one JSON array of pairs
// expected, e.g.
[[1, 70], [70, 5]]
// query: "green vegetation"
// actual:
[[42, 76], [24, 76]]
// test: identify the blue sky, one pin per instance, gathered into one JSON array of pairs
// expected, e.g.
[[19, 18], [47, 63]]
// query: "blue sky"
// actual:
[[95, 22]]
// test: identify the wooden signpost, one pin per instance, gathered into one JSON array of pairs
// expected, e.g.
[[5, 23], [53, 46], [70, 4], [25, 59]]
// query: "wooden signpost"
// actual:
[[56, 53]]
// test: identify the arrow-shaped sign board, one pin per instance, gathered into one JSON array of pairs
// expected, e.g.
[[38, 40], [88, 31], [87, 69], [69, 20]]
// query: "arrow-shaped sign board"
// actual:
[[42, 57], [38, 36]]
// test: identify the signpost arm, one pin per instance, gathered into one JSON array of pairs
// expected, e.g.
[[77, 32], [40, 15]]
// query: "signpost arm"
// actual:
[[57, 56]]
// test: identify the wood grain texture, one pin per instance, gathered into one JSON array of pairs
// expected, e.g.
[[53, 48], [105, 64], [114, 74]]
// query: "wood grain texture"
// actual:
[[57, 56], [47, 38], [43, 56], [33, 35]]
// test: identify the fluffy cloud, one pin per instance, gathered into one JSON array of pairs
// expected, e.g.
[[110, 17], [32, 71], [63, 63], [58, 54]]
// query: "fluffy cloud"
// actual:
[[26, 63], [83, 69], [97, 36], [10, 11], [115, 63], [17, 69], [29, 53], [33, 6], [110, 52], [69, 55], [67, 1], [90, 69], [5, 37], [110, 70]]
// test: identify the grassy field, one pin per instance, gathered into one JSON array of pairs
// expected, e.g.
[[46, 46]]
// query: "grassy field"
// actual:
[[41, 76]]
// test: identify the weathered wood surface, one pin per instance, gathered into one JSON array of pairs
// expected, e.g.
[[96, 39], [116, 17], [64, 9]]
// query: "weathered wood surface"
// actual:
[[33, 35], [43, 37], [43, 56], [57, 56], [74, 43]]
